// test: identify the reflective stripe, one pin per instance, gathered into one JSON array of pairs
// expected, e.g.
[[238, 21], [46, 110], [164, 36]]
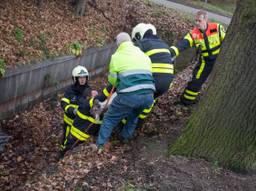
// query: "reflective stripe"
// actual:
[[88, 118], [213, 53], [70, 105], [62, 147], [212, 49], [141, 116], [162, 65], [149, 109], [162, 70], [68, 120], [191, 92], [105, 92], [200, 69], [176, 50], [124, 121], [79, 134], [146, 111], [132, 72], [112, 75], [91, 102], [138, 87], [65, 100], [155, 51], [190, 40], [67, 130], [189, 97]]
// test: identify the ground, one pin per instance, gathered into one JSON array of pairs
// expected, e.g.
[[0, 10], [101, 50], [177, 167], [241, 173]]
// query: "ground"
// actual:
[[30, 161]]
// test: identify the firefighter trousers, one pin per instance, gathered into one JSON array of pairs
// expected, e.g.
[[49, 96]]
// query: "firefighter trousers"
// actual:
[[200, 74]]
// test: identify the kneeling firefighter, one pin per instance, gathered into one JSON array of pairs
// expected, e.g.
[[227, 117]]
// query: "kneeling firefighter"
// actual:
[[76, 95], [145, 37]]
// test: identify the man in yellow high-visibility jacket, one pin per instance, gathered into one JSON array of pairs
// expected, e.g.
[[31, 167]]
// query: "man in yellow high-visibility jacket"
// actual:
[[131, 74]]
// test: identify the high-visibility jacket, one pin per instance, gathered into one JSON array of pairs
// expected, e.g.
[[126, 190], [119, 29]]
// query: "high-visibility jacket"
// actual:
[[208, 42], [130, 70]]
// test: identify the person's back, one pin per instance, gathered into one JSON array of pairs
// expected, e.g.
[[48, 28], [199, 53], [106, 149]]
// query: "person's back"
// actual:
[[145, 37], [133, 69]]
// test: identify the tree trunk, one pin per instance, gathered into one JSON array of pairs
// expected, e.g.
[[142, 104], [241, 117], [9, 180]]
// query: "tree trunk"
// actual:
[[80, 7], [223, 128]]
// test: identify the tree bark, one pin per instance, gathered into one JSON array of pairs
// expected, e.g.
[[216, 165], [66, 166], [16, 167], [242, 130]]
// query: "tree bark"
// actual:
[[223, 128], [80, 7]]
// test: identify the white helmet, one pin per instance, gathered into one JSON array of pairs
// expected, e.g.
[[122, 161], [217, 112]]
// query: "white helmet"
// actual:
[[80, 71], [140, 29]]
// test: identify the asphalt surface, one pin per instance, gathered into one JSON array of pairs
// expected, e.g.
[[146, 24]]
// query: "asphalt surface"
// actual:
[[191, 10]]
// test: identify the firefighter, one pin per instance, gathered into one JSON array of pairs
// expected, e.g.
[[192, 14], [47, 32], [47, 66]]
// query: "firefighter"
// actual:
[[207, 39], [84, 125], [75, 95], [145, 37]]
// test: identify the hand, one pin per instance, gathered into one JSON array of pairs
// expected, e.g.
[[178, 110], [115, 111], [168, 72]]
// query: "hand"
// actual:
[[94, 93]]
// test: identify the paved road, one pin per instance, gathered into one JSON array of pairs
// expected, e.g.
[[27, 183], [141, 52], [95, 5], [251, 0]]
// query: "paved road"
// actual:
[[184, 8]]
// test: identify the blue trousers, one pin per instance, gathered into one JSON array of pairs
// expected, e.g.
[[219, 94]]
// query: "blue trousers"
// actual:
[[127, 106]]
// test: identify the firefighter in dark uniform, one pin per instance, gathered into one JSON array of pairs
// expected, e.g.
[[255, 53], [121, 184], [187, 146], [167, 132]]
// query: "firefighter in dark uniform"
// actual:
[[83, 126], [145, 37], [75, 95], [207, 38]]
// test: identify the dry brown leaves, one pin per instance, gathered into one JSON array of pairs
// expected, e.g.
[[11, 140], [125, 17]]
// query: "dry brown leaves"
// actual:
[[48, 31]]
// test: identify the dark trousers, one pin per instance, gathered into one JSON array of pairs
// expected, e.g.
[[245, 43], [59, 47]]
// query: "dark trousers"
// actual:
[[200, 74]]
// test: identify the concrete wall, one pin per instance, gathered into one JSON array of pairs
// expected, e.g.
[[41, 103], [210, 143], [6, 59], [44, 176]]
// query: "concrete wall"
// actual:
[[21, 87]]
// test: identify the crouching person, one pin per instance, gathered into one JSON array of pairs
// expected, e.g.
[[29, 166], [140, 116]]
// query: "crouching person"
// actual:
[[85, 124], [130, 73], [75, 95]]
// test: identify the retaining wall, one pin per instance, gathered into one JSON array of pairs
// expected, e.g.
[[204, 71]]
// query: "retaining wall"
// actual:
[[21, 87]]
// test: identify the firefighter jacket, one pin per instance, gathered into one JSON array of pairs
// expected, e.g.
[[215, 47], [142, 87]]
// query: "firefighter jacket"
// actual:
[[158, 52], [105, 93], [84, 124], [161, 61], [130, 70], [208, 42], [73, 97]]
